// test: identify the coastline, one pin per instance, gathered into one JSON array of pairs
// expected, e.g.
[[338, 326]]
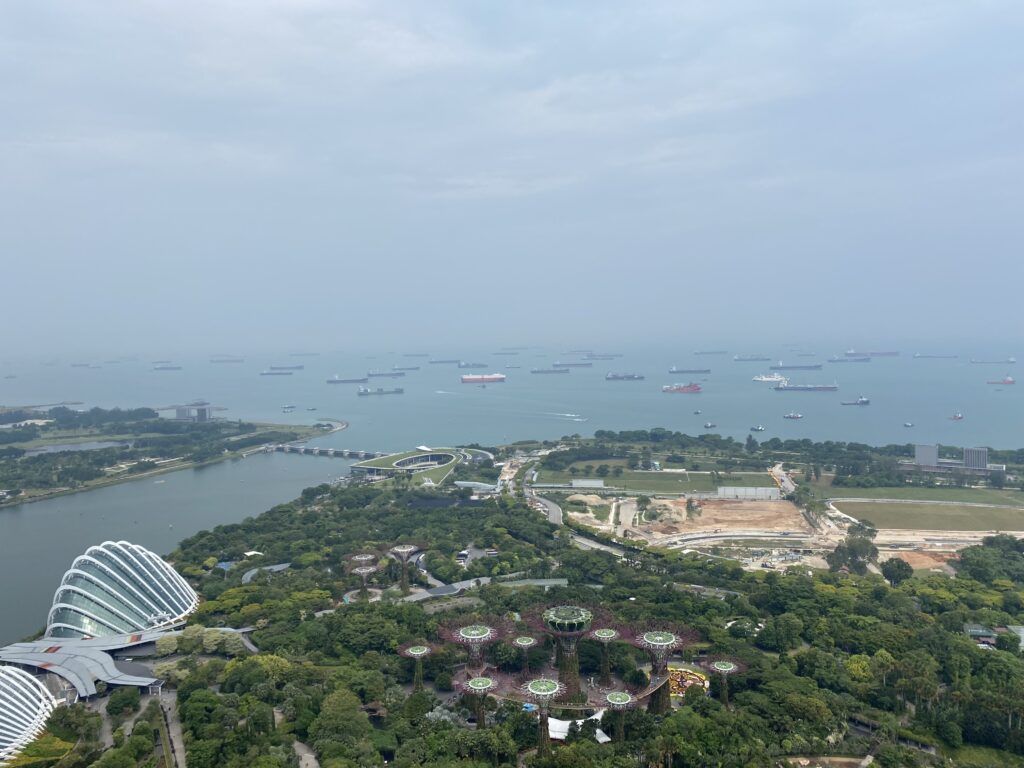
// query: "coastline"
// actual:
[[339, 426]]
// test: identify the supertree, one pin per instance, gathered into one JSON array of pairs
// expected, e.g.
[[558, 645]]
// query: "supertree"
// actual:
[[567, 623], [403, 552], [605, 636], [524, 643], [475, 636], [477, 689], [724, 667], [619, 701], [660, 641], [542, 691], [417, 651]]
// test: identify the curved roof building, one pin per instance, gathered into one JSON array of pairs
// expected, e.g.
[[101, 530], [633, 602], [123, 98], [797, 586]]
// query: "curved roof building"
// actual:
[[118, 588], [25, 705]]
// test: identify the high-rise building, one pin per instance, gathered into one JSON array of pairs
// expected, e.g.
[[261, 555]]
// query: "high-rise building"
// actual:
[[976, 458], [926, 455]]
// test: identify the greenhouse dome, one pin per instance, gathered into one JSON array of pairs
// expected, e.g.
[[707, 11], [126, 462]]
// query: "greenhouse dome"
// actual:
[[25, 706], [118, 588]]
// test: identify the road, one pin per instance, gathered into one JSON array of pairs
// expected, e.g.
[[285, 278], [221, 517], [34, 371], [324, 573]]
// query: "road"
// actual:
[[786, 485]]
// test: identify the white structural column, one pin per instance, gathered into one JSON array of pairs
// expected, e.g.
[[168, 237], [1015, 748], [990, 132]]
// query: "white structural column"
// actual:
[[25, 706]]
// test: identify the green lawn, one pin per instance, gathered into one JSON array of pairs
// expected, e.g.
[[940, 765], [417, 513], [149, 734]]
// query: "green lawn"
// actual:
[[938, 517], [971, 495], [664, 482], [385, 462]]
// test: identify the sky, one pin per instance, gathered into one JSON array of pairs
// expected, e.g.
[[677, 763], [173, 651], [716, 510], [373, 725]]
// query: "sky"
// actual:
[[225, 174]]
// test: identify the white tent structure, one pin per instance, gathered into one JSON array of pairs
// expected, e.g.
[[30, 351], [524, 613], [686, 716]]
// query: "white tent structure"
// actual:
[[559, 729]]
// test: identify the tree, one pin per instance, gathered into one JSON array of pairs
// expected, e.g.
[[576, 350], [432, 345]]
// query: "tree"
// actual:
[[896, 571]]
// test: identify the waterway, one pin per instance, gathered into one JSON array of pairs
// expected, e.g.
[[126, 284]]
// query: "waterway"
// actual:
[[38, 541]]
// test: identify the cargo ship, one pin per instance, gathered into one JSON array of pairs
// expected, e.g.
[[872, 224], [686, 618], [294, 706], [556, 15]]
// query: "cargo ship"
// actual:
[[859, 401], [415, 354], [750, 358], [785, 386], [772, 377], [287, 367], [276, 373], [887, 353], [385, 374], [602, 355], [846, 359], [572, 365], [165, 367], [227, 359], [710, 352], [920, 356], [1004, 380], [483, 378], [338, 380], [623, 377], [463, 364], [505, 354], [363, 391], [443, 362], [549, 370], [676, 369], [405, 368], [686, 389], [1007, 361], [793, 416], [781, 366]]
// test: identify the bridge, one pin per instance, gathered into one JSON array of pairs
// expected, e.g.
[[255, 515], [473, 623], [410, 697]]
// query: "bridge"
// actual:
[[305, 450]]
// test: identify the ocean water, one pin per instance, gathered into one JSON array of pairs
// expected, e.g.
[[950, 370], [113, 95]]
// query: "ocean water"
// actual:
[[437, 409]]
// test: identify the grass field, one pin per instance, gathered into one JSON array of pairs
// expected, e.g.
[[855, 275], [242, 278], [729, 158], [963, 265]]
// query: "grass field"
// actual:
[[936, 517], [970, 495], [665, 482]]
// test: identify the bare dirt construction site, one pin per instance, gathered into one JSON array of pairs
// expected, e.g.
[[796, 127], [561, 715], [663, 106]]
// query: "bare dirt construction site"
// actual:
[[725, 515], [597, 514], [923, 560]]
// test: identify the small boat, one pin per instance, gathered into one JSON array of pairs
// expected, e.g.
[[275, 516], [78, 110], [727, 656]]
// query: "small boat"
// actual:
[[793, 415], [311, 408], [758, 428], [709, 425], [908, 424], [698, 412], [1005, 380], [958, 416]]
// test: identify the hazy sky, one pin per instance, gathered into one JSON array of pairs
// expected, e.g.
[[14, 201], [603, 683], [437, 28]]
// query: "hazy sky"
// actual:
[[228, 173]]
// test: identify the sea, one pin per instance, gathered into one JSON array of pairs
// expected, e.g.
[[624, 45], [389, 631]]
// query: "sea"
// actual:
[[38, 541]]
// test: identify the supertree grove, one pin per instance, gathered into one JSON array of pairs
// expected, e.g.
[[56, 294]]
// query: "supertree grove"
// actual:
[[618, 702], [524, 643], [567, 623], [477, 689], [417, 651], [403, 552], [605, 636], [660, 641], [475, 636], [542, 691], [724, 667]]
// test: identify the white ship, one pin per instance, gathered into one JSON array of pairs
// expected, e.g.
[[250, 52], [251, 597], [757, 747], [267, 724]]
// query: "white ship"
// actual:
[[772, 377]]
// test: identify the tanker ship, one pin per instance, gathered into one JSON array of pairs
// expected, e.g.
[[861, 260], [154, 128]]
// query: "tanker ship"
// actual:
[[785, 386], [483, 378], [623, 377]]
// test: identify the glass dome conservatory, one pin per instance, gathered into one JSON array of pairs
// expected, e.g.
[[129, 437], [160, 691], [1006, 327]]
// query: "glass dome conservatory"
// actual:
[[25, 706], [118, 588]]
